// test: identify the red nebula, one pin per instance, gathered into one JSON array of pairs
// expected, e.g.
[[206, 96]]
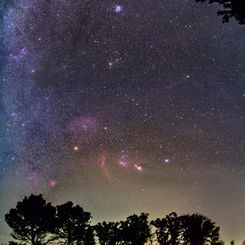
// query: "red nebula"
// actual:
[[52, 183]]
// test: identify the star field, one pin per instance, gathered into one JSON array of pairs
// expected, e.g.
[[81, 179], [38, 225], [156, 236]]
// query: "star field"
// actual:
[[123, 106]]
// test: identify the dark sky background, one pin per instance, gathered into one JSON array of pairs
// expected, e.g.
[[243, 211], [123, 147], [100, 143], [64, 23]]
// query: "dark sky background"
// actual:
[[122, 107]]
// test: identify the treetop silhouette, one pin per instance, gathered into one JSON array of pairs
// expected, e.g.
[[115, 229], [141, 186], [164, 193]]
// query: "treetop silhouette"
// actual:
[[32, 220], [36, 222], [231, 9], [72, 224], [168, 229], [198, 229]]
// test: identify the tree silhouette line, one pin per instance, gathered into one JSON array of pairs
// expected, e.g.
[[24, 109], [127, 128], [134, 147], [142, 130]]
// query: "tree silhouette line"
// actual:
[[231, 9], [34, 221]]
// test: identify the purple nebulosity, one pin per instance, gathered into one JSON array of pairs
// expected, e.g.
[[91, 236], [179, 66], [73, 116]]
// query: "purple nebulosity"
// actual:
[[20, 55]]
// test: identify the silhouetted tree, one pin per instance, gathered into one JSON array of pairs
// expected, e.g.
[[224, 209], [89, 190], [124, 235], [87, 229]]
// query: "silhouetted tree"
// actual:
[[135, 230], [36, 222], [198, 230], [32, 220], [88, 237], [231, 9], [13, 243], [167, 229], [108, 233], [72, 225]]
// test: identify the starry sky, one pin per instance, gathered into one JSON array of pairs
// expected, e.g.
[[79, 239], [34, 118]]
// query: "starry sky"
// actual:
[[122, 107]]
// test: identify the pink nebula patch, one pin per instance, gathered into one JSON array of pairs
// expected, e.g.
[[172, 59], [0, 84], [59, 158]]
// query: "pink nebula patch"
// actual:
[[52, 183], [123, 164], [34, 178], [103, 164]]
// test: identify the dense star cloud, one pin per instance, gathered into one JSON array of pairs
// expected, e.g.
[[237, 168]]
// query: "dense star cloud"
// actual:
[[123, 106]]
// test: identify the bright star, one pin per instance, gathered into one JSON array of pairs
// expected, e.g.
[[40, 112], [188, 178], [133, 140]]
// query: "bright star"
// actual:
[[118, 9], [110, 64], [76, 148], [138, 167]]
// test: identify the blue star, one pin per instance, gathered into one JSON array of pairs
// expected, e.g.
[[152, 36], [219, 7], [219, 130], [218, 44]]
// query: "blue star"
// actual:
[[118, 9]]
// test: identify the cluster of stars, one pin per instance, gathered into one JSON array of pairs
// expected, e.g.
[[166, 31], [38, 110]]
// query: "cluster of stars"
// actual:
[[118, 8]]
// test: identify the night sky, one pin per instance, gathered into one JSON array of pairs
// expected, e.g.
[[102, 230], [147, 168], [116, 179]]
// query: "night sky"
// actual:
[[122, 107]]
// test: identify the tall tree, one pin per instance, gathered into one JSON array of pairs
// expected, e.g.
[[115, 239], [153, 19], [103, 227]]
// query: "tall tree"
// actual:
[[168, 229], [198, 230], [136, 230], [73, 224], [231, 9], [32, 221]]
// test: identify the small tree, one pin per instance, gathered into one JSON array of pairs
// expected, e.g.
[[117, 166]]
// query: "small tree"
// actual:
[[198, 229], [167, 229], [136, 230], [32, 220], [73, 224]]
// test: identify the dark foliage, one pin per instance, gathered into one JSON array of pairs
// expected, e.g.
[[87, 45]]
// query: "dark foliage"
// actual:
[[108, 233], [13, 243], [36, 222], [197, 229], [231, 9], [72, 224], [32, 220], [135, 230], [168, 229]]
